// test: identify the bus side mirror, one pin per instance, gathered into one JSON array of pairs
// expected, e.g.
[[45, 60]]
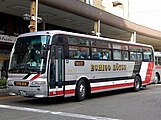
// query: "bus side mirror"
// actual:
[[43, 54], [46, 47], [44, 51]]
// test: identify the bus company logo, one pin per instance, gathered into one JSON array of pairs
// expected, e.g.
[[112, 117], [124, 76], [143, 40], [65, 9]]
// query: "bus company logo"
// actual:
[[117, 67], [102, 67]]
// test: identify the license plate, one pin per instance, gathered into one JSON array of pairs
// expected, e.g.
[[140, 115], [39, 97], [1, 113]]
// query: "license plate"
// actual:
[[22, 93], [21, 83]]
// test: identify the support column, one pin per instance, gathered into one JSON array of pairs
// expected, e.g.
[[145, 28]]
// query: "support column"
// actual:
[[133, 37], [97, 28]]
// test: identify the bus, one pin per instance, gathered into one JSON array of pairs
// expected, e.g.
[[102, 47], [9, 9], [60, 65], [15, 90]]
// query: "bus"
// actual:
[[157, 67], [71, 64]]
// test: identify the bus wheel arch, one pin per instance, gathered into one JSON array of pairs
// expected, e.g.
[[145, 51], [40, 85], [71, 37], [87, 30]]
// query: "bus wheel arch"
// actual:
[[83, 89], [137, 83]]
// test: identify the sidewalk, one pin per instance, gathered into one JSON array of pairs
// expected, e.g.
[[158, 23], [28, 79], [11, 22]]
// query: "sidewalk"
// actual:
[[3, 92]]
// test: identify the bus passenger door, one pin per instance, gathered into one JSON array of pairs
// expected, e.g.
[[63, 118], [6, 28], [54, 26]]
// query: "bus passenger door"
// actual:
[[56, 73]]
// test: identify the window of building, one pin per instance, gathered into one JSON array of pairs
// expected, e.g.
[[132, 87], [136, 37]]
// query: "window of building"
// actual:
[[90, 2]]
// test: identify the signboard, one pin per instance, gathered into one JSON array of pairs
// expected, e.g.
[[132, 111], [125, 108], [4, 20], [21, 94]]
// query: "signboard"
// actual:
[[7, 38]]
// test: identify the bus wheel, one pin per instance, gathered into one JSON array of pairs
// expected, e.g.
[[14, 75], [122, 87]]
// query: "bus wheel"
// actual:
[[80, 90], [156, 78], [137, 84]]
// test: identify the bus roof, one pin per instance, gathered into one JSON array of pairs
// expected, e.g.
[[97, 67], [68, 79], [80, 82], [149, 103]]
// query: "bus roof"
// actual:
[[53, 32]]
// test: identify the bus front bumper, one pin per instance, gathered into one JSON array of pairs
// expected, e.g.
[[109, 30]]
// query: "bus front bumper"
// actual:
[[28, 91]]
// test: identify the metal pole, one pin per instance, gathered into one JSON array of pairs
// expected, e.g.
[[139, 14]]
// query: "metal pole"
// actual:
[[36, 15], [32, 15]]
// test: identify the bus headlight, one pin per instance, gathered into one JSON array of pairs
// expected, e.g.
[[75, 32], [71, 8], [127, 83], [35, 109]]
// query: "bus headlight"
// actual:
[[37, 84]]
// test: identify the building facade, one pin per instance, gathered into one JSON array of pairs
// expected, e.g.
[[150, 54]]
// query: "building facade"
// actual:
[[116, 7], [10, 27]]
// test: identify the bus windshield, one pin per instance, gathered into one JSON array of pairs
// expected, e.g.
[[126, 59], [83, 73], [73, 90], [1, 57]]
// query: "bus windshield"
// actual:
[[26, 55]]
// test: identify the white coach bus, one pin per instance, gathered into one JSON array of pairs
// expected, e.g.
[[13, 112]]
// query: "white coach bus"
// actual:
[[157, 66], [58, 63]]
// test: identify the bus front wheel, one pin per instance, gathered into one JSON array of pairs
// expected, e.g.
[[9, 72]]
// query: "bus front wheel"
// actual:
[[80, 90], [137, 84]]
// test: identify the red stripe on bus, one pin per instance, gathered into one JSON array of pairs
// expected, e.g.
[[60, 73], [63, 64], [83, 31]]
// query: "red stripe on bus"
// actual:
[[36, 76], [111, 86], [59, 92], [72, 91], [52, 93], [149, 73]]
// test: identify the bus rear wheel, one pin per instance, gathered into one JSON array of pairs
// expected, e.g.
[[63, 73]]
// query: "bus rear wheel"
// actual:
[[80, 90], [137, 84]]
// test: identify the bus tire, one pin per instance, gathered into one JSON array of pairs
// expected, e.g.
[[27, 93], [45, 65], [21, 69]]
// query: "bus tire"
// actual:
[[80, 90], [137, 84]]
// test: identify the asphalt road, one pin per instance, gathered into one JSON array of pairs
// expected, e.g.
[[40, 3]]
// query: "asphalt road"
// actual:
[[113, 105]]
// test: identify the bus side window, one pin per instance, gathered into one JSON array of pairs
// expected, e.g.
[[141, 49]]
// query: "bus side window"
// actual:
[[96, 54], [125, 55], [105, 55], [139, 56], [159, 60], [132, 56], [79, 52], [117, 55], [147, 57], [70, 54]]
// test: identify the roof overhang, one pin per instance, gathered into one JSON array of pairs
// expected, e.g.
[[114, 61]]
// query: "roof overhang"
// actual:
[[81, 17], [93, 13]]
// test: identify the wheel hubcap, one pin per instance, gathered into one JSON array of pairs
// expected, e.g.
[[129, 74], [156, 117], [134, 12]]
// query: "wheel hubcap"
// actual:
[[82, 90], [156, 79], [137, 84]]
